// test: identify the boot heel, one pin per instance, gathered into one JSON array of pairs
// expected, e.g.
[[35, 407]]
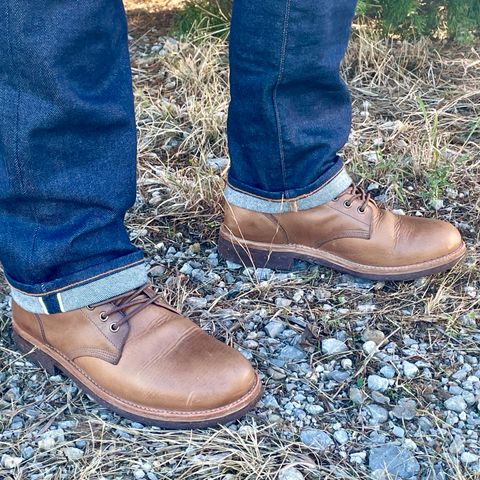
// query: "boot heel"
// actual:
[[34, 355], [251, 257]]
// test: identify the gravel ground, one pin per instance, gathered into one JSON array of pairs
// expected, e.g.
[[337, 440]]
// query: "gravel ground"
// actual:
[[363, 379]]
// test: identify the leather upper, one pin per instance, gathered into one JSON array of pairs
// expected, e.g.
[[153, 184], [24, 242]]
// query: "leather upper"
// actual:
[[157, 359], [350, 227]]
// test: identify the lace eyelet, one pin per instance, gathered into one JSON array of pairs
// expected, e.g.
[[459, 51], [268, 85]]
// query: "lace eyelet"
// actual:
[[90, 307], [347, 204], [361, 210], [114, 328], [103, 316]]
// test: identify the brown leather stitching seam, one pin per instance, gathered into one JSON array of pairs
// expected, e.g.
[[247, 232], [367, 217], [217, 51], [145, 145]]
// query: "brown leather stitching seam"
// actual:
[[99, 329], [348, 214], [92, 352], [366, 267], [277, 224], [346, 234], [42, 329]]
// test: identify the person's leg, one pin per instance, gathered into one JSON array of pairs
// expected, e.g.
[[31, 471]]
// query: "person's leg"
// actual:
[[67, 176], [288, 196], [290, 110], [67, 148]]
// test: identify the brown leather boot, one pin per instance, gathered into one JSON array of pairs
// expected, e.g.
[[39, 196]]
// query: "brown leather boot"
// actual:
[[350, 234], [139, 357]]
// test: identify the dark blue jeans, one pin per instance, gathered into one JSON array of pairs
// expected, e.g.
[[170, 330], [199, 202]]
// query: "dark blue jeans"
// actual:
[[68, 142]]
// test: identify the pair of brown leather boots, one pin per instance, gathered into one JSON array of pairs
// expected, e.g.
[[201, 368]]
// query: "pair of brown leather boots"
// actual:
[[138, 356]]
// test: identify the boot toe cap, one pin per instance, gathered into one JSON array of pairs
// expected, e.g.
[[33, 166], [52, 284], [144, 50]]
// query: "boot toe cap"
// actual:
[[432, 239]]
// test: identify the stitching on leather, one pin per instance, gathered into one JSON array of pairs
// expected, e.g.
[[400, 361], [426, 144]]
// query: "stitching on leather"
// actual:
[[92, 352], [99, 329], [367, 267], [348, 215], [154, 410], [42, 329], [278, 226], [346, 234]]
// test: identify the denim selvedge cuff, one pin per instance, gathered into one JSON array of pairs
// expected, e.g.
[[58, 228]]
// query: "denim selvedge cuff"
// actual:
[[80, 296], [326, 192]]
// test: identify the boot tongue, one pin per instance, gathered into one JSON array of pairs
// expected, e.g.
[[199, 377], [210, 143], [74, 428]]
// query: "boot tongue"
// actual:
[[149, 293]]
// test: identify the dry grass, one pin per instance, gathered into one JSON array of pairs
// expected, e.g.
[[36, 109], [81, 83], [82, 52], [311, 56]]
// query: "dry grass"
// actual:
[[416, 134]]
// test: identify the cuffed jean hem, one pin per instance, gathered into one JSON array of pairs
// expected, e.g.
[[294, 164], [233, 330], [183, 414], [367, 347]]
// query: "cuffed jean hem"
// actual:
[[322, 194], [97, 289]]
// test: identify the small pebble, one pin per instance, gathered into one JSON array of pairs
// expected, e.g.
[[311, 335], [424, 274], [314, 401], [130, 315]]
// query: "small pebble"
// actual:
[[375, 382]]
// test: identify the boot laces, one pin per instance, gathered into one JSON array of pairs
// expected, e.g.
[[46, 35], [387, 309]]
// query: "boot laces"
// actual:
[[358, 193], [121, 303]]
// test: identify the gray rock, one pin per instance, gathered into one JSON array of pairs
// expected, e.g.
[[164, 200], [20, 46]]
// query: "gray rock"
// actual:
[[290, 473], [276, 374], [274, 328], [378, 414], [398, 431], [388, 371], [341, 436], [262, 274], [398, 462], [456, 404], [282, 302], [270, 402], [375, 382], [358, 457], [317, 439], [186, 269], [199, 275], [409, 369], [437, 203], [348, 281], [218, 164], [197, 302], [72, 453], [314, 409], [457, 446], [338, 376], [356, 395], [347, 364], [370, 347], [51, 438], [380, 398], [233, 266], [468, 458], [332, 346], [291, 353], [10, 462], [406, 409], [372, 335], [212, 260]]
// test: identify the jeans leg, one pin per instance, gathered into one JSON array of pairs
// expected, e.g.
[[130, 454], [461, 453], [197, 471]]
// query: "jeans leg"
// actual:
[[290, 111], [67, 151]]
